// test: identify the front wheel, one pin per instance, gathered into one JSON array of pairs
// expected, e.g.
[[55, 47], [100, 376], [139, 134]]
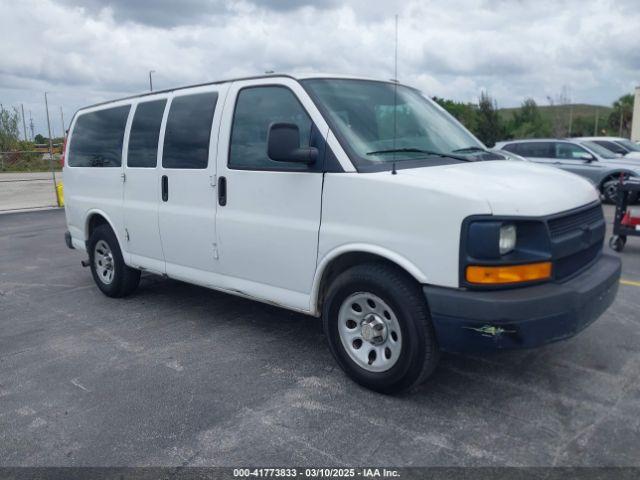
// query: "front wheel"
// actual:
[[379, 328]]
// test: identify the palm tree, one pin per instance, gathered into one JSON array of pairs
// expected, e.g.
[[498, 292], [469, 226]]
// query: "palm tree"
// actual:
[[620, 117]]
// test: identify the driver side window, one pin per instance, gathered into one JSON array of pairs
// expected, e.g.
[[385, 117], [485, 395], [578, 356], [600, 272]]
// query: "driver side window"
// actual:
[[256, 109]]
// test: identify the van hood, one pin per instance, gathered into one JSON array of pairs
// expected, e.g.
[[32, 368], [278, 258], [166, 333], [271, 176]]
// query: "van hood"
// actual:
[[509, 187]]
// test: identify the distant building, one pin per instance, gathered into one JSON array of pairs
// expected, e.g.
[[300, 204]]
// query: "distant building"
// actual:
[[635, 121]]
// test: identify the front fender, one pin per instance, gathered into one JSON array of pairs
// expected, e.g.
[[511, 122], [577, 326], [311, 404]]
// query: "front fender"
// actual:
[[376, 250]]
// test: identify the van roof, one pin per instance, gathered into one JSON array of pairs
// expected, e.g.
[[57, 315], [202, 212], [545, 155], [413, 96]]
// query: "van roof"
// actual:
[[301, 76]]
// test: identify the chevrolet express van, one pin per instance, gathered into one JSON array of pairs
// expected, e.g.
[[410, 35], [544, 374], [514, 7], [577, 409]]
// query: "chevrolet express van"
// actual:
[[361, 202]]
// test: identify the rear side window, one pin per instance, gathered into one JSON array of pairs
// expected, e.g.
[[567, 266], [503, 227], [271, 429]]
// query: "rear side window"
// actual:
[[536, 149], [186, 139], [145, 130], [97, 138], [256, 109]]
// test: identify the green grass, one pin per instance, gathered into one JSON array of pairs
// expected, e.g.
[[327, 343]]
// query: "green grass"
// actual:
[[27, 162]]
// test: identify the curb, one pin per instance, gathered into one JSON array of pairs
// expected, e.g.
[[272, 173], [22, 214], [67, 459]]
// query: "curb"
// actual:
[[28, 210]]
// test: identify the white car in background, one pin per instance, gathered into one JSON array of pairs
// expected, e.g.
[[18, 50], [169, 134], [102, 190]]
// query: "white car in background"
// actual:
[[619, 145]]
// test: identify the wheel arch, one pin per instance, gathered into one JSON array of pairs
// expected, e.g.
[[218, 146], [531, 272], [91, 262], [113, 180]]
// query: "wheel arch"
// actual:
[[95, 218], [614, 176], [346, 256]]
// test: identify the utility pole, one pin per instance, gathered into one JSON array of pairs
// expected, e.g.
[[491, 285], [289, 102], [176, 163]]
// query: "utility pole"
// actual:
[[31, 125], [62, 122], [150, 80], [53, 173], [595, 128], [24, 123]]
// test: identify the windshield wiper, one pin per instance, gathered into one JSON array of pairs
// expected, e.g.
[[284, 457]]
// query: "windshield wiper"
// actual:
[[419, 150], [470, 149]]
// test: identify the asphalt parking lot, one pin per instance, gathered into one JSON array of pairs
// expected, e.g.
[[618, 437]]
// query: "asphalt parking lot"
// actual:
[[181, 375]]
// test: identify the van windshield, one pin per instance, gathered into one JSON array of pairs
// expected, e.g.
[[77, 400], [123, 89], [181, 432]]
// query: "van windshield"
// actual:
[[381, 122]]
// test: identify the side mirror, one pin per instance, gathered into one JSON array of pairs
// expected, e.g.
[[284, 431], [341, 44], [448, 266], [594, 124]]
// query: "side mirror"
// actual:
[[587, 157], [283, 145]]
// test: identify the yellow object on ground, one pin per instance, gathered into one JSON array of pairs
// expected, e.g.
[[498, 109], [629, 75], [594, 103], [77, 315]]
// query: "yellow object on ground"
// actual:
[[60, 194], [630, 282]]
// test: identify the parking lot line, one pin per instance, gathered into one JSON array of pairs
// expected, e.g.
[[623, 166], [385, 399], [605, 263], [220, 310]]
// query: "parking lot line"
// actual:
[[630, 282]]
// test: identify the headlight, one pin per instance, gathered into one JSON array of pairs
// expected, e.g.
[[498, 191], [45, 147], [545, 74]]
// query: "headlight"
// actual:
[[507, 239], [506, 251]]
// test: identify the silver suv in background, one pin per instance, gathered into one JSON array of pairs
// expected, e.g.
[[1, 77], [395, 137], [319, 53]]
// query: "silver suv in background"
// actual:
[[619, 145], [582, 157]]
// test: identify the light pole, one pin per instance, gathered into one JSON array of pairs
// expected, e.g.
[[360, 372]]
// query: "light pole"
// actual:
[[24, 123], [150, 80], [62, 123], [53, 173]]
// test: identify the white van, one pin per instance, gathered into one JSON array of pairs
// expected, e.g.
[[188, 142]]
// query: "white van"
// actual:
[[358, 201]]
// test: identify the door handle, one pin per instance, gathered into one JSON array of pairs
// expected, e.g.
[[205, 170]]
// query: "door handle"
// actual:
[[165, 188], [222, 191]]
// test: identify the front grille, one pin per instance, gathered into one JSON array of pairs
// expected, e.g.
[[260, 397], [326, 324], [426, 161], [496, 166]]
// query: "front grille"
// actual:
[[561, 226], [576, 240], [567, 266]]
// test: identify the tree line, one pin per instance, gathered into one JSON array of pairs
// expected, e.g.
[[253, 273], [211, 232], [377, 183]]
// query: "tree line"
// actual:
[[484, 120], [11, 133], [558, 119]]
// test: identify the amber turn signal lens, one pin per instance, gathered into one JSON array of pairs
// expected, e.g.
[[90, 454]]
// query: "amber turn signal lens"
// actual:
[[509, 273]]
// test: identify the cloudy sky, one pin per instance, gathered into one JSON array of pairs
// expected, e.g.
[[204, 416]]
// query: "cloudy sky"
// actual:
[[85, 51]]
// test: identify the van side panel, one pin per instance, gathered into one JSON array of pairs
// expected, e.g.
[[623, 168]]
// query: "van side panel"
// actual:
[[141, 196], [92, 190], [188, 210]]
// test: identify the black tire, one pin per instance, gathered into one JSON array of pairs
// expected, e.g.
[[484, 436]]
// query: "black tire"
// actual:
[[419, 352], [617, 243], [609, 190], [125, 279]]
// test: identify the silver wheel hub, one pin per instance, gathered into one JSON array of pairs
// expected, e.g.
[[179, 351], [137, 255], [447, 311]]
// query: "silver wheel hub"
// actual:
[[369, 332], [373, 330], [103, 262]]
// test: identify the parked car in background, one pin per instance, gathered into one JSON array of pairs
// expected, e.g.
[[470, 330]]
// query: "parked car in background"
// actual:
[[619, 145], [509, 155], [581, 157]]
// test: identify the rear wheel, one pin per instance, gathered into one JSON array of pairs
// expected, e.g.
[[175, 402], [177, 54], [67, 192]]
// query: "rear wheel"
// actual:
[[112, 276], [379, 330]]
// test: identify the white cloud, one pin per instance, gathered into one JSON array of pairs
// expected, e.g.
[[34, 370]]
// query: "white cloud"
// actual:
[[84, 52]]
